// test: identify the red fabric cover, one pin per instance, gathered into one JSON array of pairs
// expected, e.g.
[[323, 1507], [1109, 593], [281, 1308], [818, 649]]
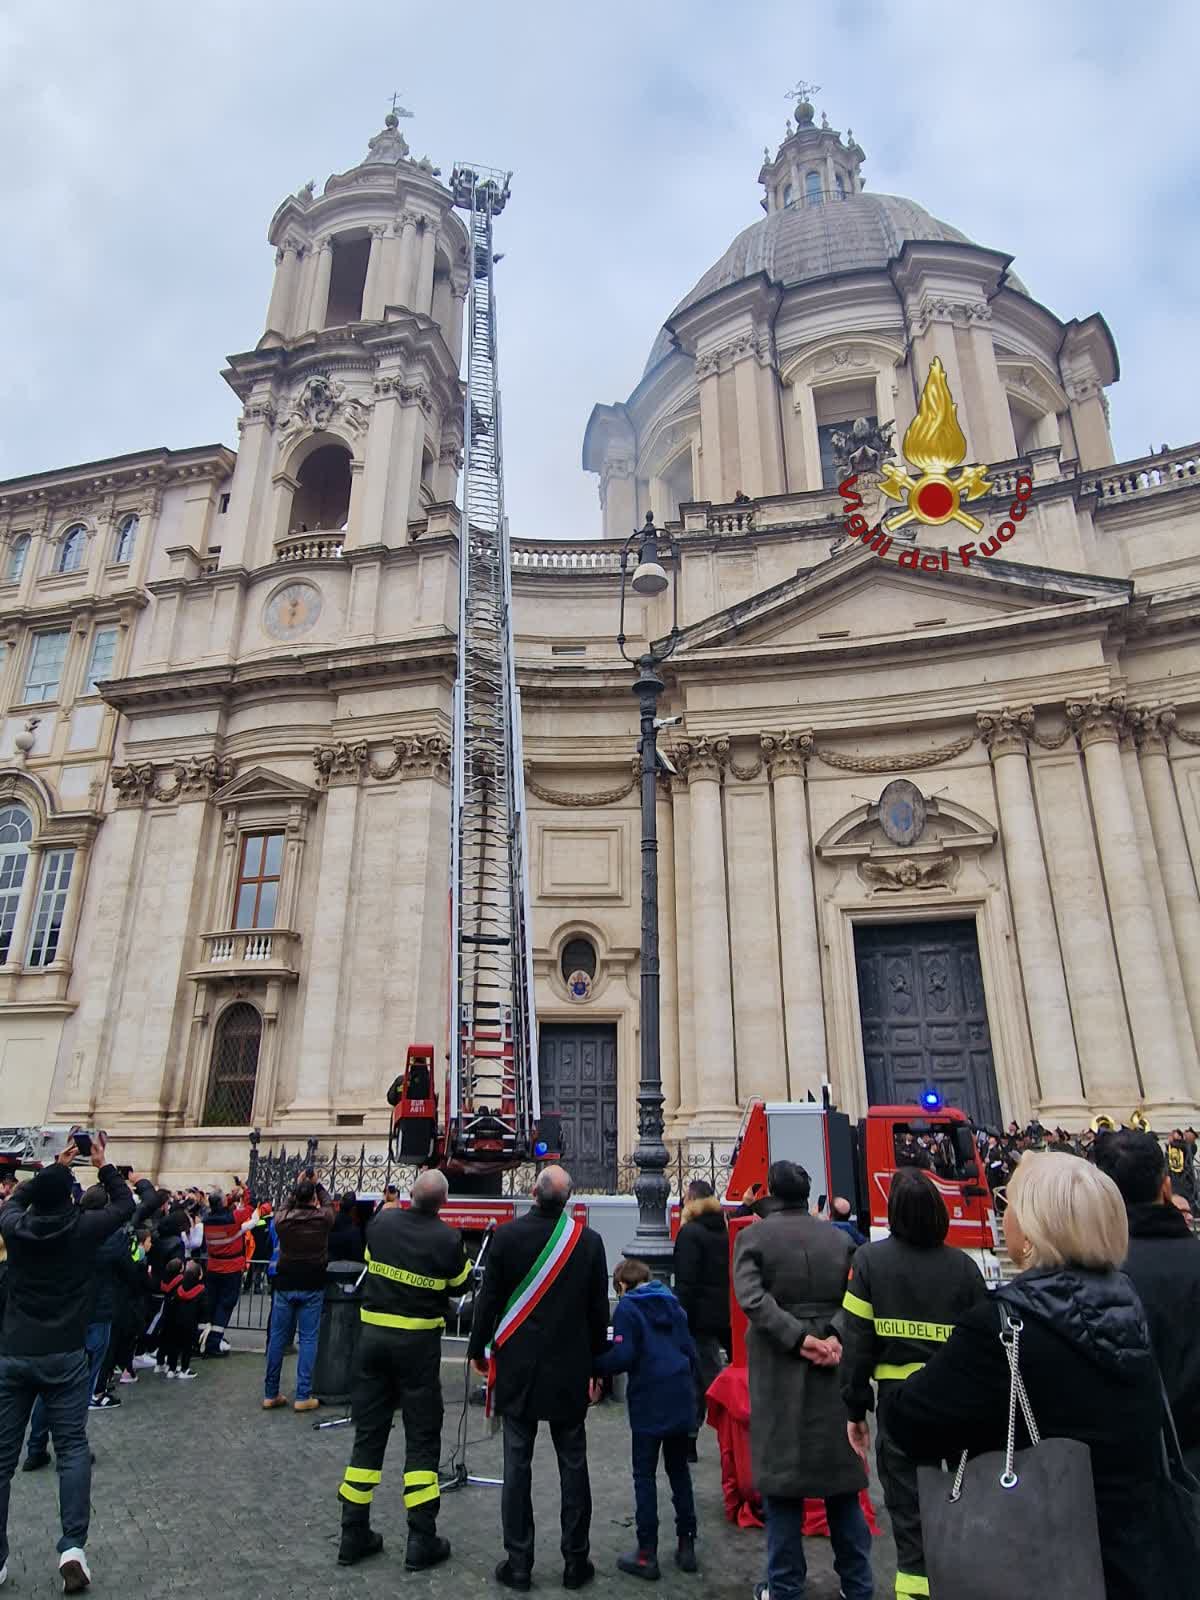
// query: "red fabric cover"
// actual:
[[729, 1413]]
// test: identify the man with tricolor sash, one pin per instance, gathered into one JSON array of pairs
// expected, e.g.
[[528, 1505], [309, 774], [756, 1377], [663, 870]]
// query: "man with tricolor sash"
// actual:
[[414, 1264], [541, 1319]]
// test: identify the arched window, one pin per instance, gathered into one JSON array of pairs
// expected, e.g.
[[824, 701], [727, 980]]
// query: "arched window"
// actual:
[[16, 830], [840, 185], [578, 955], [17, 556], [787, 194], [230, 1099], [812, 188], [126, 539], [70, 553], [322, 498]]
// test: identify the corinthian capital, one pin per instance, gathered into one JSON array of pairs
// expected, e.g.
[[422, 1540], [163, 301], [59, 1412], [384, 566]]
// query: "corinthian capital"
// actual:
[[1006, 732], [785, 753], [1098, 720], [703, 759], [1151, 728]]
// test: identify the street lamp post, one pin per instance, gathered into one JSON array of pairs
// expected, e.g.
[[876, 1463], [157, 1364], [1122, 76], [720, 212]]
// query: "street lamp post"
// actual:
[[652, 1241]]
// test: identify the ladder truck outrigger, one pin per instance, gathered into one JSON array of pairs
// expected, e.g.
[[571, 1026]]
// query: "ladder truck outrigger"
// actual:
[[489, 1119]]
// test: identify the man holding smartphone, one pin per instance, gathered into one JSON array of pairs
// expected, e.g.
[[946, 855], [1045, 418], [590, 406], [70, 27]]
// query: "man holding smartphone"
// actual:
[[52, 1247]]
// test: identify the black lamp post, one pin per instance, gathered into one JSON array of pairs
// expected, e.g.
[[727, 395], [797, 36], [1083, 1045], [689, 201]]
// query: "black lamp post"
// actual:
[[652, 1241]]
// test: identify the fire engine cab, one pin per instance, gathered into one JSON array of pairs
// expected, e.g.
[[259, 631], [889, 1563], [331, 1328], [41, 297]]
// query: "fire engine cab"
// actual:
[[857, 1162]]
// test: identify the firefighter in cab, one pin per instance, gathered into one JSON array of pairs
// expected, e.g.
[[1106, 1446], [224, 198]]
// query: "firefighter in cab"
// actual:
[[414, 1264], [905, 1296]]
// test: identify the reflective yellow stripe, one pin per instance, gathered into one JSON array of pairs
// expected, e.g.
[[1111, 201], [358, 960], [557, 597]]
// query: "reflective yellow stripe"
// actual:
[[412, 1479], [384, 1319], [901, 1328], [419, 1497], [911, 1583], [463, 1275], [363, 1475], [360, 1497], [886, 1370], [860, 1308], [414, 1280]]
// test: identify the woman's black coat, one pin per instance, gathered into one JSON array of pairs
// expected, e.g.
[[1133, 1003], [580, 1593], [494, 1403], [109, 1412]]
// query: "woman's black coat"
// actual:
[[1091, 1375]]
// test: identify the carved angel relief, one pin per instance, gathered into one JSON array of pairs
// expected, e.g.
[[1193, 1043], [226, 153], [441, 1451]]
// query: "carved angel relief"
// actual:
[[938, 872]]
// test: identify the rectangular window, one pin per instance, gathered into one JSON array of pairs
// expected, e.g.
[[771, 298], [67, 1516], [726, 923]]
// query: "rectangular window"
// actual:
[[258, 881], [104, 653], [12, 877], [51, 906], [46, 666]]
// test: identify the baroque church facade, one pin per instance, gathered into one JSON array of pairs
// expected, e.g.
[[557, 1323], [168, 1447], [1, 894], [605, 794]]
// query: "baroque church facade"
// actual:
[[933, 822]]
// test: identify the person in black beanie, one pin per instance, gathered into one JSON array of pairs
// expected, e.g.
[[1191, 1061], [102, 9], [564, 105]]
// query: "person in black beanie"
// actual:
[[52, 1247]]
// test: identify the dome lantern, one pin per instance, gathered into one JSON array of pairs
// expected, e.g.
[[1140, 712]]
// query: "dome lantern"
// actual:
[[813, 165]]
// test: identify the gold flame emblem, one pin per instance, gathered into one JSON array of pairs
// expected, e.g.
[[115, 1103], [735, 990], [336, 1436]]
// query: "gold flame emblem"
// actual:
[[934, 443]]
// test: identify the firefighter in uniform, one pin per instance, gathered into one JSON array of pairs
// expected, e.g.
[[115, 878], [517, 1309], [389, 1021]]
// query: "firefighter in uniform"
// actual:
[[414, 1264], [905, 1295]]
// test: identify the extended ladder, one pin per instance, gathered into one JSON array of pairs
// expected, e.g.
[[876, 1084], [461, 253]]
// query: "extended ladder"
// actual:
[[493, 1107]]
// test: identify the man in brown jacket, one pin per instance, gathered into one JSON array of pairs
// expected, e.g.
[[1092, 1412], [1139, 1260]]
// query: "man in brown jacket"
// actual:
[[302, 1226], [789, 1276]]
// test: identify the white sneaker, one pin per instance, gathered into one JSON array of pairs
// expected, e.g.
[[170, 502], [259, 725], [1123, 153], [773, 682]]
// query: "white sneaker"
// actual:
[[143, 1361], [225, 1347], [4, 1573], [186, 1373], [160, 1367], [171, 1373], [76, 1574]]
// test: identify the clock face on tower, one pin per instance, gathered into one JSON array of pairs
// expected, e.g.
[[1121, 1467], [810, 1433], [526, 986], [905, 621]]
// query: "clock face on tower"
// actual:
[[292, 610]]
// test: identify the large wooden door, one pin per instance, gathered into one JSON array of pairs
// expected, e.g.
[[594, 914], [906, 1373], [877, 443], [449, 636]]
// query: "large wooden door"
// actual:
[[924, 1017], [577, 1069]]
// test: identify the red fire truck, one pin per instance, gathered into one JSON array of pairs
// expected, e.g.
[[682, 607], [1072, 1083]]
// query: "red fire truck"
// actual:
[[857, 1161]]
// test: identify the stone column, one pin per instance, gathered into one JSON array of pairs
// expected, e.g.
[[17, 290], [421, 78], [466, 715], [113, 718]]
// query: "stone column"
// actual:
[[422, 299], [618, 497], [389, 268], [407, 282], [454, 333], [374, 289], [1147, 996], [1158, 902], [1056, 1059], [318, 302], [668, 987], [745, 384], [1085, 395], [800, 946], [994, 437], [708, 377], [1175, 861], [685, 1018], [712, 989], [283, 290], [327, 957]]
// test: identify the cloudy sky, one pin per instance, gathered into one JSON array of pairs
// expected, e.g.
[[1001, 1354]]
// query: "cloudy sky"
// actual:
[[146, 147]]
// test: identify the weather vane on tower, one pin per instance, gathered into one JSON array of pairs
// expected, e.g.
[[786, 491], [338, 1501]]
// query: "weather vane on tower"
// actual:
[[397, 109], [803, 91]]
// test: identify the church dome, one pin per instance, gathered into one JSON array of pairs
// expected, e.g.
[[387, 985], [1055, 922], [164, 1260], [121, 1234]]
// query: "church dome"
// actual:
[[800, 243]]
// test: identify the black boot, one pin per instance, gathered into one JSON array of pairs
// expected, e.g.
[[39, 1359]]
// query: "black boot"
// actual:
[[578, 1572], [512, 1579], [685, 1554], [425, 1550], [35, 1463], [359, 1540], [640, 1564]]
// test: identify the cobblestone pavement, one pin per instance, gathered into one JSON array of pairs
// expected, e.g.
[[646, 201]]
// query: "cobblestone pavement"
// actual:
[[198, 1493]]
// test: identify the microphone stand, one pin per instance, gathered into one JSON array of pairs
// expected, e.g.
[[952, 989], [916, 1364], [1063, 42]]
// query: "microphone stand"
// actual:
[[459, 1477]]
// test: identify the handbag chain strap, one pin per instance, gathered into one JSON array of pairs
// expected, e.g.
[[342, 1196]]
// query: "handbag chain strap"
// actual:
[[1010, 1338]]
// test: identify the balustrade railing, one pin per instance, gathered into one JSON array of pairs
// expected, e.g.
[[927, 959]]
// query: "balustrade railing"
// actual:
[[317, 546], [1166, 470], [254, 947], [735, 518], [582, 557]]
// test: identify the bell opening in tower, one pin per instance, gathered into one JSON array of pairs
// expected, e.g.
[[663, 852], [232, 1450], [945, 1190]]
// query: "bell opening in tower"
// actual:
[[322, 497], [347, 279]]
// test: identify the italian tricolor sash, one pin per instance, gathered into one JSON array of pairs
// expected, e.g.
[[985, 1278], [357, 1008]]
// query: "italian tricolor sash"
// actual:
[[532, 1289]]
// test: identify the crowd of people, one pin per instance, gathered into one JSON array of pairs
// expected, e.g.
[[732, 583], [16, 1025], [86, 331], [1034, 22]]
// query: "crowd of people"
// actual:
[[120, 1281]]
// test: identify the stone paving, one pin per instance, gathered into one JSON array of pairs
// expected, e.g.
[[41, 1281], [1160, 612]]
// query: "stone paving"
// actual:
[[198, 1493]]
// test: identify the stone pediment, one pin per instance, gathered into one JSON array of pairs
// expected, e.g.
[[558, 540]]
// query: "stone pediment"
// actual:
[[856, 597], [261, 784]]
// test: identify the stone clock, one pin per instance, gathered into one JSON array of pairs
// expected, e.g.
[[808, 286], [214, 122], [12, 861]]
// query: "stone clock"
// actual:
[[292, 610]]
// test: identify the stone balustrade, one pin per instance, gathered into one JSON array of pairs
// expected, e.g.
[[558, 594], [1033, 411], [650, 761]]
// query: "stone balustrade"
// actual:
[[1150, 475], [737, 518], [318, 546], [586, 556], [258, 950]]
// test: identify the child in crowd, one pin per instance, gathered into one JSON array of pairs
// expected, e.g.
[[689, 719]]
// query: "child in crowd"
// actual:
[[652, 1344], [183, 1303]]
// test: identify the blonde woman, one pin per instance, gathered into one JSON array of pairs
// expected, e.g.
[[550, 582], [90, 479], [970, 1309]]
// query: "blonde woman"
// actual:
[[1085, 1357]]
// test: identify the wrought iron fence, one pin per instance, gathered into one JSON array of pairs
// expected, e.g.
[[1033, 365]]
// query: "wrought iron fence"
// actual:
[[253, 1309], [273, 1173]]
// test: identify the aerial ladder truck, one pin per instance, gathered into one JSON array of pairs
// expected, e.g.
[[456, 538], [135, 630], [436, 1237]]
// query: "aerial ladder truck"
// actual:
[[489, 1118]]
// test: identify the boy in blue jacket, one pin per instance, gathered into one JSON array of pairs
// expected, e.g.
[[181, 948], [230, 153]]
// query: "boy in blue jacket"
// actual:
[[652, 1344]]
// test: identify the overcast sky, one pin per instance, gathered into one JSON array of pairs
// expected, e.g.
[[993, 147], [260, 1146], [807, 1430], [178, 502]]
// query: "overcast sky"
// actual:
[[145, 148]]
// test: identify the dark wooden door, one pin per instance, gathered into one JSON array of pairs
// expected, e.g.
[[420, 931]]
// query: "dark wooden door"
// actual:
[[924, 1017], [577, 1069]]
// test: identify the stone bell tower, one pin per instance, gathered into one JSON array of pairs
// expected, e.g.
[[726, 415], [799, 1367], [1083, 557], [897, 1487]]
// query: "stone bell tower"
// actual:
[[352, 421]]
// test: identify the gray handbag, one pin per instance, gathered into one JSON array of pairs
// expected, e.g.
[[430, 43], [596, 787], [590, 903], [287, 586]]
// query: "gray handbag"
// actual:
[[1007, 1520]]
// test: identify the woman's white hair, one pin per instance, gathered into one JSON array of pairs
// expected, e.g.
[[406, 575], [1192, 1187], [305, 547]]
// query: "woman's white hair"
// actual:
[[1071, 1213]]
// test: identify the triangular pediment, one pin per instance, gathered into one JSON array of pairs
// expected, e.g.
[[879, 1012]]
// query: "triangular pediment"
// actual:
[[856, 597], [260, 783]]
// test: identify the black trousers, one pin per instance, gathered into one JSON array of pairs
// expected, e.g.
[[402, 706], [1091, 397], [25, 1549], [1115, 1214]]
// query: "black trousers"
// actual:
[[710, 1348], [898, 1475], [516, 1498], [396, 1371]]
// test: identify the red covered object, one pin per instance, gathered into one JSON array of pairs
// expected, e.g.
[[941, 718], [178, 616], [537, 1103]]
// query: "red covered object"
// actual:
[[729, 1413]]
